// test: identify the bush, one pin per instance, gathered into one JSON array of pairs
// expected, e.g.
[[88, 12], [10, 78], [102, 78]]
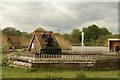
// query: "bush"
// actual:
[[6, 61]]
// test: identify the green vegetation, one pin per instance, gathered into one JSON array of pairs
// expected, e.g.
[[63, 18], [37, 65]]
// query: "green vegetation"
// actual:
[[93, 36], [10, 31], [9, 72], [8, 58], [80, 75]]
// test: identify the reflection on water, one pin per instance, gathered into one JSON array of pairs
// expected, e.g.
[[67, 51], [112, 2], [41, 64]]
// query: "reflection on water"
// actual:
[[90, 48]]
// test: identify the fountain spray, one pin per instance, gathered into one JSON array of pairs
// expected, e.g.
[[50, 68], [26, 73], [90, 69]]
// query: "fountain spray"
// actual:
[[82, 37]]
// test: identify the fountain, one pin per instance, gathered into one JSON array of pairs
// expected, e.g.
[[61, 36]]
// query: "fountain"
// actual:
[[82, 37], [82, 44]]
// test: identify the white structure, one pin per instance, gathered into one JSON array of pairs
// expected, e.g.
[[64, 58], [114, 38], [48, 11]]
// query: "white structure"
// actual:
[[82, 38], [32, 45]]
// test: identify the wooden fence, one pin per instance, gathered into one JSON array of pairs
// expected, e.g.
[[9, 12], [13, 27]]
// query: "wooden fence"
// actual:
[[73, 55]]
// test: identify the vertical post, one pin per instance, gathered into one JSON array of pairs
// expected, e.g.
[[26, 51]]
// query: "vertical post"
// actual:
[[40, 55], [45, 55], [50, 55]]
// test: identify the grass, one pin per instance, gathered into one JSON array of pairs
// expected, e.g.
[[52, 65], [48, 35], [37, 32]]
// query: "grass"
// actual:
[[9, 72]]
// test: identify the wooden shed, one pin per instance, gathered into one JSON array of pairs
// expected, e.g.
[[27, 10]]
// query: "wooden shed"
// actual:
[[112, 43], [40, 45], [14, 41]]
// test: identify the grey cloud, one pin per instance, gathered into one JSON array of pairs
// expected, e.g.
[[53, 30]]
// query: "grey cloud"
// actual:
[[65, 16]]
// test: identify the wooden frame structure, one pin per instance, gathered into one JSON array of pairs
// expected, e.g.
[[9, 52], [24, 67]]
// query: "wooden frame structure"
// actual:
[[112, 43]]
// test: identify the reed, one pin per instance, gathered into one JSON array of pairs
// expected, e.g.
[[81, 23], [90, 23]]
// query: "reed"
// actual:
[[5, 45]]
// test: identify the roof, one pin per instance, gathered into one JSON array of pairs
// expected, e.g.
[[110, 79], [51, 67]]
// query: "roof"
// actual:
[[14, 39], [114, 39], [41, 41]]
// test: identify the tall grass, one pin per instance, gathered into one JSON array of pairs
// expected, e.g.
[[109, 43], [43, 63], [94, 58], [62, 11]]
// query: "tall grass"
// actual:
[[25, 42], [5, 45], [0, 39], [5, 48]]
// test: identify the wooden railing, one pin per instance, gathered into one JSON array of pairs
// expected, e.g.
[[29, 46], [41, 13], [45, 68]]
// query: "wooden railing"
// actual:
[[74, 55]]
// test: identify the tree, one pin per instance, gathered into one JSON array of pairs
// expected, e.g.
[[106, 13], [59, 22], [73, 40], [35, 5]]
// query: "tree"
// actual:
[[10, 31], [104, 31], [92, 32], [17, 33], [66, 36], [76, 36], [95, 35]]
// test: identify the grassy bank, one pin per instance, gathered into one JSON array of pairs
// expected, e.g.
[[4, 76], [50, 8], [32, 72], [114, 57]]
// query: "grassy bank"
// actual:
[[9, 72]]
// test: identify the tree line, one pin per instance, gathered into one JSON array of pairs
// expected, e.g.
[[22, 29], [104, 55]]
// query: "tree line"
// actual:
[[93, 35]]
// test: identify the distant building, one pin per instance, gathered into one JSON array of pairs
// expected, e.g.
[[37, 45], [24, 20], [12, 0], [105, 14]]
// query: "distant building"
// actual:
[[44, 42], [112, 43], [14, 42]]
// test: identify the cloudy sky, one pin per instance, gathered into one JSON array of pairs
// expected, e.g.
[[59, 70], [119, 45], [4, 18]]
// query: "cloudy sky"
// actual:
[[65, 16]]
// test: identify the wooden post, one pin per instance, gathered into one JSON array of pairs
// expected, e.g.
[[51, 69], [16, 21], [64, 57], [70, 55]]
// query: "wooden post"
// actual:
[[40, 55], [49, 55]]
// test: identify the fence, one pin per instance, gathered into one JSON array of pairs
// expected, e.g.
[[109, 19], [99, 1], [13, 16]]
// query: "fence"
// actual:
[[74, 55], [107, 61]]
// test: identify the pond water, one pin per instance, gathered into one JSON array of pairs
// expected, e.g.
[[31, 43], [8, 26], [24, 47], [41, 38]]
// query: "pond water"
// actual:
[[90, 48]]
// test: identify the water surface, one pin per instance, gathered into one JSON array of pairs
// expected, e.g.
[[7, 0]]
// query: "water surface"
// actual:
[[90, 48]]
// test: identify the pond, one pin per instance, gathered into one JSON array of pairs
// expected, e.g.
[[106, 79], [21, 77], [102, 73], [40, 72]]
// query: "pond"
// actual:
[[90, 48]]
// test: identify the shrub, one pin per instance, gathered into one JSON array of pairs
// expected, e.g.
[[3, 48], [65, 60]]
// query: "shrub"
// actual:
[[6, 61]]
